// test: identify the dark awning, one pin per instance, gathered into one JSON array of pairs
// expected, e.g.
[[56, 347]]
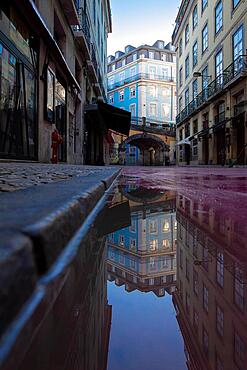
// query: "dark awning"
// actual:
[[113, 118]]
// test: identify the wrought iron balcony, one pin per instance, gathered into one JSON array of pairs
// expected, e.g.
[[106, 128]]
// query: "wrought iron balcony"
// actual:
[[229, 76], [139, 76]]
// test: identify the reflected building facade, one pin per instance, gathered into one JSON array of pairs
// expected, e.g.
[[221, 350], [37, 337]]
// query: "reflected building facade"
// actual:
[[211, 278], [143, 255]]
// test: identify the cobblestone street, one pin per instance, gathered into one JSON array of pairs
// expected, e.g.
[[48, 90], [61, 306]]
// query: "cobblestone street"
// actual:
[[16, 176]]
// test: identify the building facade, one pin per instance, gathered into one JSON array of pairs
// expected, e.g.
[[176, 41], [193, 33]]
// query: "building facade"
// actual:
[[210, 39], [52, 63], [142, 81]]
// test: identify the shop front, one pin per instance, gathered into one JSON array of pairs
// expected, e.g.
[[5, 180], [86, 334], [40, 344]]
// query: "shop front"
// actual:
[[18, 87]]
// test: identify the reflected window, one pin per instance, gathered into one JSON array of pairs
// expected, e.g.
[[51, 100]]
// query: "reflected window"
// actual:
[[121, 258], [239, 288], [205, 340], [165, 226], [121, 240], [196, 319], [205, 298], [165, 243], [205, 257], [239, 348], [187, 269], [195, 282], [220, 268], [132, 263], [219, 320], [151, 281], [153, 227], [152, 264], [165, 262], [153, 245], [181, 259]]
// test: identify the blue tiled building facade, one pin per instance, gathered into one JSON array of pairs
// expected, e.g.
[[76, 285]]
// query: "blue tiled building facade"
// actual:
[[142, 81]]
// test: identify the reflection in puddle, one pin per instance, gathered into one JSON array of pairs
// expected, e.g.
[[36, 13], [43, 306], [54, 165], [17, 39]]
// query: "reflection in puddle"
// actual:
[[192, 247]]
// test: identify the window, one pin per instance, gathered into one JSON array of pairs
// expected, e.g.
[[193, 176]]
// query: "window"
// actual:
[[153, 245], [165, 111], [132, 72], [195, 17], [219, 67], [239, 288], [151, 55], [152, 109], [218, 17], [132, 263], [220, 268], [235, 3], [187, 67], [181, 76], [165, 73], [180, 47], [219, 321], [122, 76], [238, 44], [153, 91], [204, 4], [132, 92], [152, 71], [111, 99], [180, 104], [166, 91], [121, 95], [205, 38], [133, 110], [205, 81], [121, 240], [187, 34], [205, 298], [195, 54], [187, 97], [111, 81], [153, 227], [165, 226], [195, 88]]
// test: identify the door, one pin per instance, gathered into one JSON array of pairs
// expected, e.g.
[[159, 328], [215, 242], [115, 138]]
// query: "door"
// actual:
[[205, 149], [221, 146], [240, 140]]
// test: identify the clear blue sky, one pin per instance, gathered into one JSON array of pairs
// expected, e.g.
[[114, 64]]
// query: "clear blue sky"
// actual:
[[138, 22]]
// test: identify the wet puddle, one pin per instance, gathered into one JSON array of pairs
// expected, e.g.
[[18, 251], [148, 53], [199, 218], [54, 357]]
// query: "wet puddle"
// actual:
[[176, 270]]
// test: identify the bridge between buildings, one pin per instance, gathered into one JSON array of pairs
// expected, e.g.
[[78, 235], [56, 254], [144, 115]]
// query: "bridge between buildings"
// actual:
[[154, 139]]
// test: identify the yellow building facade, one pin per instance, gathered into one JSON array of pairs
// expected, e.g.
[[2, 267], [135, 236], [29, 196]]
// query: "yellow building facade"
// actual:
[[210, 38]]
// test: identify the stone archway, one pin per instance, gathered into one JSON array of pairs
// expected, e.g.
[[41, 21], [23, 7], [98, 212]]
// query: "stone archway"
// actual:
[[154, 150]]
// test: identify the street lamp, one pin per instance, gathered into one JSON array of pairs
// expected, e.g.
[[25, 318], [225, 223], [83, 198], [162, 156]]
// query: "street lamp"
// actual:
[[199, 74]]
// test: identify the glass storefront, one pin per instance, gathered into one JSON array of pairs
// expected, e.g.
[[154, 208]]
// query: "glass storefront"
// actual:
[[17, 89]]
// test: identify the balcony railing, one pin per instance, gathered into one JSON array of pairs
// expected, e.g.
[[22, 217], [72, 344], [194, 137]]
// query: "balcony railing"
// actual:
[[228, 76], [84, 29], [153, 125], [140, 76]]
